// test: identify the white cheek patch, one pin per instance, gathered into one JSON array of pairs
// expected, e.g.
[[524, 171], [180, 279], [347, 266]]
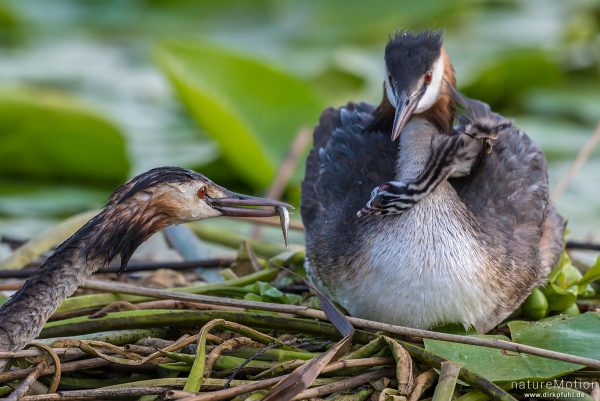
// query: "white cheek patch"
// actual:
[[389, 91], [433, 90], [201, 210]]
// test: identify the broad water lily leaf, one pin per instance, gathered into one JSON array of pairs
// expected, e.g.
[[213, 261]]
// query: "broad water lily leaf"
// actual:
[[251, 109], [572, 335], [49, 137], [497, 365], [38, 200]]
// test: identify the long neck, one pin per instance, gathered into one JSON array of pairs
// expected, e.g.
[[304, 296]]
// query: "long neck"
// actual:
[[414, 148], [116, 231], [24, 314]]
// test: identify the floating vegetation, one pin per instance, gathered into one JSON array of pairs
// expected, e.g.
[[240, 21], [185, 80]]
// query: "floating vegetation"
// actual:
[[259, 336]]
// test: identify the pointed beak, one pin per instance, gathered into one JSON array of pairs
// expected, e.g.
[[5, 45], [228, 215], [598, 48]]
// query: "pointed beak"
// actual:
[[405, 107], [239, 205]]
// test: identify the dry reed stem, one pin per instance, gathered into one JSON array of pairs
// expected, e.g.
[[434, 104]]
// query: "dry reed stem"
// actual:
[[262, 384], [25, 385], [584, 154], [356, 322]]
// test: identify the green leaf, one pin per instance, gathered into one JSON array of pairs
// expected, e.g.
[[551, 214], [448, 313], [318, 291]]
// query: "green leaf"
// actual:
[[559, 298], [494, 364], [592, 274], [576, 335], [266, 289], [563, 284], [562, 263], [34, 199], [292, 299], [253, 297], [252, 110], [48, 136]]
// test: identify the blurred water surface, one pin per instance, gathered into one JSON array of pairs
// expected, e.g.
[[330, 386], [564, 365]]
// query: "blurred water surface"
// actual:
[[535, 61]]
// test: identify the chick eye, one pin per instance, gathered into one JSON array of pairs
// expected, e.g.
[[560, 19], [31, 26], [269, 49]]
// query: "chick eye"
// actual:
[[427, 77], [202, 192]]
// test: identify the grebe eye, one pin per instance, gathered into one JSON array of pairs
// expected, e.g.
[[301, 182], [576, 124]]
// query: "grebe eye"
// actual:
[[390, 79], [202, 192], [427, 77]]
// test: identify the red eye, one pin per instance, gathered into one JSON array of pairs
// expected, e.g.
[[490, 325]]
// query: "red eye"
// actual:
[[202, 192], [427, 78]]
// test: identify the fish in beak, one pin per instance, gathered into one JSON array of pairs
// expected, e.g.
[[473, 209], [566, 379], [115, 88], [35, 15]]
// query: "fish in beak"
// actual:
[[240, 205]]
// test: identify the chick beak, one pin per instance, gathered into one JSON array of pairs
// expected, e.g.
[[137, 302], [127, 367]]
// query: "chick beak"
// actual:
[[405, 107], [239, 205]]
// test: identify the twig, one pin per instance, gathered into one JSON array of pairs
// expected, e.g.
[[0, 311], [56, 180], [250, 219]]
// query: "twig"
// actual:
[[108, 297], [584, 154], [13, 242], [297, 148], [24, 386], [57, 365], [136, 267], [66, 367], [262, 384], [247, 361], [588, 246], [11, 286], [483, 342], [27, 353], [356, 322], [343, 364], [110, 286], [97, 394], [343, 384]]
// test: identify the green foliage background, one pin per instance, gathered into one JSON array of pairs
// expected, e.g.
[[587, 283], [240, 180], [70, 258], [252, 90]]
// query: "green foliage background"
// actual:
[[92, 92]]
